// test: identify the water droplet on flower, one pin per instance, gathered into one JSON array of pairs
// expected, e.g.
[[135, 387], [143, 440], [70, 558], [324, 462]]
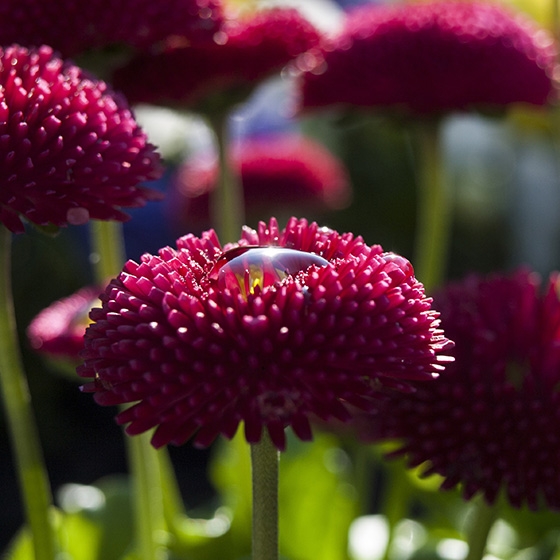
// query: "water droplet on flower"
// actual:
[[250, 269], [397, 264]]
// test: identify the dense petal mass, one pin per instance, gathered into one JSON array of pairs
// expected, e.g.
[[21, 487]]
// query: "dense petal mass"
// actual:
[[281, 327], [490, 423], [277, 171], [70, 148], [72, 27], [59, 329], [433, 57], [245, 52]]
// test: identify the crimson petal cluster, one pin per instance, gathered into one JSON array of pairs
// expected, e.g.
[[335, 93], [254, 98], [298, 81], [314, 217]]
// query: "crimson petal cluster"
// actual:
[[72, 27], [245, 51], [201, 341], [432, 57], [490, 424], [70, 147]]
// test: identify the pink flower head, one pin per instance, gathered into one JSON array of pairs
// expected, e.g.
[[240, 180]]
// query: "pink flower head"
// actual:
[[491, 422], [433, 57], [70, 148], [277, 171], [285, 325], [72, 27], [59, 329], [245, 52]]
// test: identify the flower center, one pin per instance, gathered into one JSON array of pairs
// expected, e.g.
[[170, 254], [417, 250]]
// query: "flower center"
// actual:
[[250, 269]]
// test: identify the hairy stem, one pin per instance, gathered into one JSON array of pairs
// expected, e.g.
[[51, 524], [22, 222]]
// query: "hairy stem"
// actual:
[[264, 462]]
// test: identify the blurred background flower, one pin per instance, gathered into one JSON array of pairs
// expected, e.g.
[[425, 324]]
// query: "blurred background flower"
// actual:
[[73, 29], [219, 74], [58, 330], [384, 56], [488, 424], [282, 171]]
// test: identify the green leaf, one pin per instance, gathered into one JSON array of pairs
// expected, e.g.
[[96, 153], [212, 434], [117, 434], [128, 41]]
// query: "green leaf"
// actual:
[[20, 548], [230, 472], [87, 528], [77, 537], [317, 500]]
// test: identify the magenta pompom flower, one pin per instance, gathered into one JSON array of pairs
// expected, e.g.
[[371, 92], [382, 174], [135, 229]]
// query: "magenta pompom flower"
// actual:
[[70, 148], [59, 329], [276, 171], [245, 51], [72, 27], [281, 327], [434, 57], [490, 424]]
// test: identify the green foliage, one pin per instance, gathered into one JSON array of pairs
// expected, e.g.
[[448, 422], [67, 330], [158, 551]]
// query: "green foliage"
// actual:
[[317, 505], [318, 498], [316, 524], [100, 530]]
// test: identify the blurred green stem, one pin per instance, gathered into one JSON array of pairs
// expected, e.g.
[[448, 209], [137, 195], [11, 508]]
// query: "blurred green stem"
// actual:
[[364, 468], [147, 495], [396, 501], [434, 207], [481, 519], [32, 473], [227, 206], [264, 462], [173, 507], [108, 252]]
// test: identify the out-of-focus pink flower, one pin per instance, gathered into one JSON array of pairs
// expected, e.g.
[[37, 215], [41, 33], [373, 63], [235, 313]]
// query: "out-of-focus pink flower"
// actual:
[[72, 27], [245, 51], [59, 329], [432, 57], [491, 422], [281, 327], [280, 171], [70, 148]]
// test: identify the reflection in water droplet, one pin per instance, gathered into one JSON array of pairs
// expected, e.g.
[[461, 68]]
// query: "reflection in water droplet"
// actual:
[[250, 269], [397, 264]]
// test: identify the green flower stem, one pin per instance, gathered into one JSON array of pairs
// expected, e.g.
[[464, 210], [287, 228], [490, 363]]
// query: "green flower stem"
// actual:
[[108, 252], [173, 507], [434, 207], [32, 473], [148, 497], [264, 462], [397, 502], [363, 467], [227, 206], [482, 519], [148, 466]]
